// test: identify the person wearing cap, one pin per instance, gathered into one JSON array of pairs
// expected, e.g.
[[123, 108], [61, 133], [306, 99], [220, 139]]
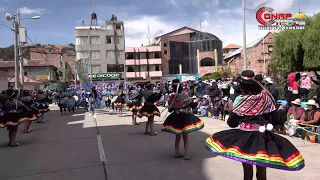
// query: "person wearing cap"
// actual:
[[305, 85], [312, 115], [295, 111], [271, 88], [254, 143]]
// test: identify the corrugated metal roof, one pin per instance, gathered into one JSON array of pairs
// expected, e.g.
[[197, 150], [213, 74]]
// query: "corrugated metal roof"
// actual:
[[251, 44]]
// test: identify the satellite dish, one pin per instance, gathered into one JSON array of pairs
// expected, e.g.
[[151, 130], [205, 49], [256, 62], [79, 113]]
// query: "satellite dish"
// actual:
[[9, 17]]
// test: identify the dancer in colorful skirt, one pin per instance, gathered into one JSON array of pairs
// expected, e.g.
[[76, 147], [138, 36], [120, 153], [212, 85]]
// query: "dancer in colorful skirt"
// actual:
[[120, 100], [150, 110], [254, 143], [12, 114], [134, 104], [42, 103], [181, 121], [27, 100]]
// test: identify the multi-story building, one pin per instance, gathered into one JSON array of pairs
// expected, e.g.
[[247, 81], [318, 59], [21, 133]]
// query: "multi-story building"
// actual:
[[229, 49], [190, 51], [258, 55], [143, 64], [36, 73], [104, 46]]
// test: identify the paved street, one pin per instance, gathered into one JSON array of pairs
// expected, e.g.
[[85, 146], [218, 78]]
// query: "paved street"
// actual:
[[70, 148]]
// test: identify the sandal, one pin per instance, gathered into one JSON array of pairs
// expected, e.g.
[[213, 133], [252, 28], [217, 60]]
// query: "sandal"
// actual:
[[14, 145], [179, 156], [136, 124], [187, 158], [146, 132], [29, 131]]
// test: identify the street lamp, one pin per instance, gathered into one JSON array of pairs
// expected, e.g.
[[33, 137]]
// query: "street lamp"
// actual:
[[17, 51]]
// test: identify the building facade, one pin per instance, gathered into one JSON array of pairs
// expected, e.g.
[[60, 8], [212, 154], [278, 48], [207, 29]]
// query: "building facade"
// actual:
[[258, 56], [105, 49], [143, 64], [190, 51]]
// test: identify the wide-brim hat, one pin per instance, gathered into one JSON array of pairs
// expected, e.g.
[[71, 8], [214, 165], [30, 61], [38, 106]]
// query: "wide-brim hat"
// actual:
[[312, 102], [269, 80], [247, 77], [296, 102], [304, 74]]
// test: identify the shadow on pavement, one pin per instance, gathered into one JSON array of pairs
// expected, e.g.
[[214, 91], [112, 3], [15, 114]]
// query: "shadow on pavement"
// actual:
[[65, 147]]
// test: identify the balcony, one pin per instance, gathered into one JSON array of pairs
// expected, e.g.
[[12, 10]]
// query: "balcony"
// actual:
[[132, 62], [142, 74]]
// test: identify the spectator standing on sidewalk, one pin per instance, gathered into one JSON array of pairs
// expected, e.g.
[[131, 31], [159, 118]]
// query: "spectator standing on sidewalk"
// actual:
[[305, 84]]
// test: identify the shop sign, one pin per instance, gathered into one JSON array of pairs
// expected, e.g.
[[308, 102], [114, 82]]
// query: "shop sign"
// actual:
[[106, 76]]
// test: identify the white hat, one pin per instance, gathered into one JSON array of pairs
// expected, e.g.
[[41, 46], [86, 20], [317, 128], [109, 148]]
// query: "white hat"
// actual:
[[312, 102], [225, 98], [194, 97], [206, 96], [296, 102], [269, 80], [304, 74]]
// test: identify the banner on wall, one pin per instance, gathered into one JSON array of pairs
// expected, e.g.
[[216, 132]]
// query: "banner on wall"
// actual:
[[82, 67]]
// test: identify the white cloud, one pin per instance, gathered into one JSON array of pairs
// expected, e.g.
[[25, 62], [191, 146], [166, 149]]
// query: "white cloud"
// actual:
[[225, 23], [26, 10], [138, 26]]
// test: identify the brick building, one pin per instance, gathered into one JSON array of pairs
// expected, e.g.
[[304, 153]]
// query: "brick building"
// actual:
[[258, 55], [192, 50], [45, 54]]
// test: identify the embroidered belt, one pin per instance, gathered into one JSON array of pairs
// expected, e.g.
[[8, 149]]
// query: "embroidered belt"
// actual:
[[249, 127]]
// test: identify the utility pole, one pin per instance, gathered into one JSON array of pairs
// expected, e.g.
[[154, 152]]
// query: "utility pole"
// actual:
[[20, 54], [244, 34], [63, 68], [16, 53]]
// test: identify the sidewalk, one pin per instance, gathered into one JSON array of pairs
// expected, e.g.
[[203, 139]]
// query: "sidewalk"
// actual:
[[66, 148]]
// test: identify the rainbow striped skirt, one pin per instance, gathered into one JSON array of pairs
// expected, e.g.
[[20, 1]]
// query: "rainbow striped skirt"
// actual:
[[253, 147], [182, 123]]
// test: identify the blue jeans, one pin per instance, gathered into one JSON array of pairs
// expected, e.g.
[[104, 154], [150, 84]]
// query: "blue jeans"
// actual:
[[203, 110]]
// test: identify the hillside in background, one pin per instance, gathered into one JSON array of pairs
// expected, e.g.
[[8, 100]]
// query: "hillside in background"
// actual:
[[7, 54]]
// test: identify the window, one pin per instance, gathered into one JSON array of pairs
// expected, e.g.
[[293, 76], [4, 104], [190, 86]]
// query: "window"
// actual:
[[108, 39], [26, 73], [95, 55], [129, 56], [110, 55], [96, 69], [119, 54], [143, 55], [157, 55], [270, 48], [130, 69], [82, 40], [115, 67], [95, 40], [83, 54], [165, 45], [165, 52], [157, 67], [118, 26]]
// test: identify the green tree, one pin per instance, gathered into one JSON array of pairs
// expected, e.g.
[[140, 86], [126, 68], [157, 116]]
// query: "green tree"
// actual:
[[297, 50], [311, 43]]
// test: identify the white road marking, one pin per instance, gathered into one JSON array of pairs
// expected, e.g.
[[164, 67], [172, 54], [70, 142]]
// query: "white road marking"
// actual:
[[101, 150], [95, 116]]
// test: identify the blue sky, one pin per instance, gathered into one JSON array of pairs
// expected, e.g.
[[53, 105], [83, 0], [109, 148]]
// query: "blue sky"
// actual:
[[220, 17]]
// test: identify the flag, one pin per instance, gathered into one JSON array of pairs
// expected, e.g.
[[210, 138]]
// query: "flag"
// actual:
[[82, 67]]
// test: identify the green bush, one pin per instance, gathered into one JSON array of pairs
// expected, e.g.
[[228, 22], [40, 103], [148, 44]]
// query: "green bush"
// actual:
[[216, 76]]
